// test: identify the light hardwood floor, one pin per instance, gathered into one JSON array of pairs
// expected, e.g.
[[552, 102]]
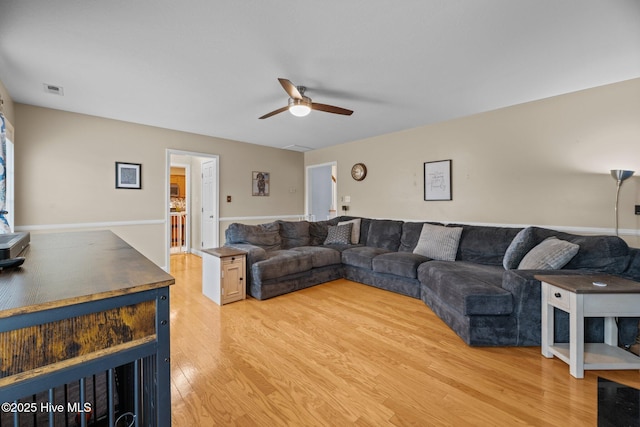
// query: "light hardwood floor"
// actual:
[[343, 353]]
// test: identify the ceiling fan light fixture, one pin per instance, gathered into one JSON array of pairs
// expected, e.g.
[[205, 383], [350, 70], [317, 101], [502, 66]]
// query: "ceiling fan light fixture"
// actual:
[[300, 107]]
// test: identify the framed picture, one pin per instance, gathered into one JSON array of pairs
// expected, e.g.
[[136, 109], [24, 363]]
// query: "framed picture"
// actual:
[[260, 183], [129, 175], [437, 180]]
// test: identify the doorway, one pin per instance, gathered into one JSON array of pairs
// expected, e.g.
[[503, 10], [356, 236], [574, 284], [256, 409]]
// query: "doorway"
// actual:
[[322, 191], [180, 206], [186, 230]]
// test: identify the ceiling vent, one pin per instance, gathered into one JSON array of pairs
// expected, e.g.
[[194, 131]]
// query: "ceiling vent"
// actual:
[[297, 148], [53, 89]]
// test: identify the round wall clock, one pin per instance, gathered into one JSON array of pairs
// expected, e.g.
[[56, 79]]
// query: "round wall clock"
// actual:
[[359, 171]]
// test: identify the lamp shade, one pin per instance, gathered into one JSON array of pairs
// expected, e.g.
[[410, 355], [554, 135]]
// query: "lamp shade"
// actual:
[[299, 107], [620, 174]]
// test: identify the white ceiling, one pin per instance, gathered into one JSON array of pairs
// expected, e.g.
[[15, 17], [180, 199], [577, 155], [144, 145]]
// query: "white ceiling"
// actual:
[[211, 67]]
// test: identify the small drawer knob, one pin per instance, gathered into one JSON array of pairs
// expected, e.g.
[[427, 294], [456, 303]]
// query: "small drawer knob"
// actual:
[[557, 295]]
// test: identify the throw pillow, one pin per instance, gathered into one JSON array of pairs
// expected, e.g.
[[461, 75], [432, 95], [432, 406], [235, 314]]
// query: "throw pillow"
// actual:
[[519, 247], [355, 229], [438, 242], [338, 234], [551, 254]]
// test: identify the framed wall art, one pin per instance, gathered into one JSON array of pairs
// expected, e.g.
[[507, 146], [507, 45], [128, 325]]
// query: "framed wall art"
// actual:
[[129, 175], [260, 183], [437, 180]]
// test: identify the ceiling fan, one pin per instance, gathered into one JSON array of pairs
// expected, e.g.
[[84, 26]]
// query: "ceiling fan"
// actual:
[[301, 105]]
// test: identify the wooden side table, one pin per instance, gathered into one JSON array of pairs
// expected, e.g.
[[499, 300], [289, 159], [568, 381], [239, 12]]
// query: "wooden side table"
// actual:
[[223, 273], [578, 296]]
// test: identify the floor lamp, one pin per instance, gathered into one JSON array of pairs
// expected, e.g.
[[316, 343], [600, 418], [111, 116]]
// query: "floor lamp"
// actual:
[[619, 175]]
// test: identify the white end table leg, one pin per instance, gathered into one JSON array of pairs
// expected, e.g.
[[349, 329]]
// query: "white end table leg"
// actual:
[[576, 336], [547, 337], [610, 331]]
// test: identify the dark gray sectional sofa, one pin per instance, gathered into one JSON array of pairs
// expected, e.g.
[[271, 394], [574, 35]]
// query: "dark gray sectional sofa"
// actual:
[[485, 303]]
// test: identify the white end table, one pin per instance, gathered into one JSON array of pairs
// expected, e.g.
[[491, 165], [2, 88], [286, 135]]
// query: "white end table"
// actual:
[[578, 296]]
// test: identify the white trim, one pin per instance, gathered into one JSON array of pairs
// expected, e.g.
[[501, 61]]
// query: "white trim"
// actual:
[[44, 227], [567, 229], [260, 218]]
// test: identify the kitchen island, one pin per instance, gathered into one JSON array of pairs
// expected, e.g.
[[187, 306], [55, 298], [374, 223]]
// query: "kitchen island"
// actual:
[[85, 312]]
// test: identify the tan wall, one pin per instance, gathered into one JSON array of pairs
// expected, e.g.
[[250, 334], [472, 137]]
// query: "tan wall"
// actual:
[[545, 162], [65, 174]]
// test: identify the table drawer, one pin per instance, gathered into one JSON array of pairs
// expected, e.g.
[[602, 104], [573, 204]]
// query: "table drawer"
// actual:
[[230, 260], [558, 297]]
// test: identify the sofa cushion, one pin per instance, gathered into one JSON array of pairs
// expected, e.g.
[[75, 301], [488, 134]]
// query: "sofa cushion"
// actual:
[[320, 256], [294, 233], [438, 242], [385, 234], [338, 234], [266, 236], [551, 254], [281, 263], [607, 254], [318, 231], [404, 264], [361, 256], [468, 288], [518, 248], [484, 244], [355, 230], [411, 234], [632, 271]]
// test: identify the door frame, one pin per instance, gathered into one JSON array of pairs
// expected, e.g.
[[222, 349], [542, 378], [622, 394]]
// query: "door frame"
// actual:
[[309, 189], [167, 197]]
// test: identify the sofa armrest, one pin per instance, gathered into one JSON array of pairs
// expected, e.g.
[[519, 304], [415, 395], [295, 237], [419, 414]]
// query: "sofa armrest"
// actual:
[[527, 295]]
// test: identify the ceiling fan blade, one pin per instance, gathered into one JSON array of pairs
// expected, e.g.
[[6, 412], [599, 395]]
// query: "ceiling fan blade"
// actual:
[[330, 109], [274, 112], [290, 88]]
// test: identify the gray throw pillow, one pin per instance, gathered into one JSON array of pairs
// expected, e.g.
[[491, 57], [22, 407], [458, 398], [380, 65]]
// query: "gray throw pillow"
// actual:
[[438, 242], [519, 247], [551, 254], [338, 234], [355, 230]]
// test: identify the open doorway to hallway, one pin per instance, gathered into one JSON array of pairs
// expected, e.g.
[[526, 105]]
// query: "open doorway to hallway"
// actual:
[[179, 207], [192, 203], [321, 194]]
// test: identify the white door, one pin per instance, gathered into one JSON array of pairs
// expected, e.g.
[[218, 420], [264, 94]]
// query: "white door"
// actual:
[[209, 197], [321, 191]]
